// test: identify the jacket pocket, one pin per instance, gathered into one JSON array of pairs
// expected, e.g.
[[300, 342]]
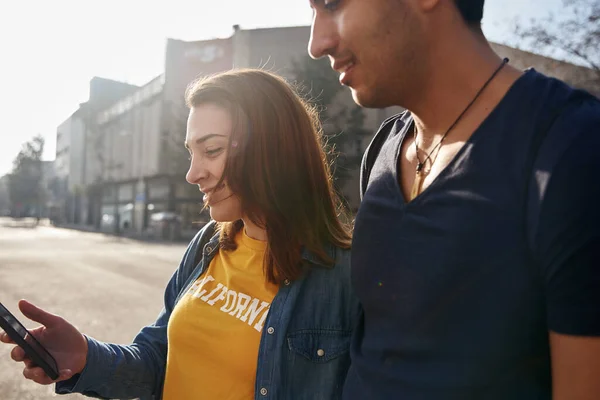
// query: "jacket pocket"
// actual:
[[319, 346]]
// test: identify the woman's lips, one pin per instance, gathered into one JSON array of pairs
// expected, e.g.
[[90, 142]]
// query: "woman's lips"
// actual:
[[209, 194]]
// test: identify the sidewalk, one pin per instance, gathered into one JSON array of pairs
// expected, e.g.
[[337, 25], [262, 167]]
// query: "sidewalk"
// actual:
[[31, 223], [144, 237]]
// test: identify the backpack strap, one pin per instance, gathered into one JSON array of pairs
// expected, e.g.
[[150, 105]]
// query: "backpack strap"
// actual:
[[374, 148]]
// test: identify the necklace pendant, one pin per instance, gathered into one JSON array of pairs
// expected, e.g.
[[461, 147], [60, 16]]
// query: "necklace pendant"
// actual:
[[418, 182]]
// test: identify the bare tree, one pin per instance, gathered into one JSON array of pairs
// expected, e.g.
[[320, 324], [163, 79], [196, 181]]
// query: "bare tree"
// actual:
[[343, 123], [25, 181], [575, 33]]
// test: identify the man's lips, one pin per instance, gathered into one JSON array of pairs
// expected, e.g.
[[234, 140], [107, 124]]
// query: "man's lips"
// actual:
[[344, 67]]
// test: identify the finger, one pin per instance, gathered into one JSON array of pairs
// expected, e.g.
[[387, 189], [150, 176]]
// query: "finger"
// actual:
[[17, 354], [64, 375], [37, 314], [37, 375], [28, 363], [4, 338]]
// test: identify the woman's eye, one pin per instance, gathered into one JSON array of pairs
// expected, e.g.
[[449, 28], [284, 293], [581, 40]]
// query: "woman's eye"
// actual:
[[213, 152]]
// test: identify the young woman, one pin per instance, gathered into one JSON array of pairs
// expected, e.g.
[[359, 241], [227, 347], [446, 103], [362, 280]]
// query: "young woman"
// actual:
[[261, 305]]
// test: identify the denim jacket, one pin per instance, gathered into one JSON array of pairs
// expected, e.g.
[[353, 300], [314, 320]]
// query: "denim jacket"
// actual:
[[304, 347]]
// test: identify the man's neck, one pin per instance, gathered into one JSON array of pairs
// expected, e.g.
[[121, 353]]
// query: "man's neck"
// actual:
[[455, 75]]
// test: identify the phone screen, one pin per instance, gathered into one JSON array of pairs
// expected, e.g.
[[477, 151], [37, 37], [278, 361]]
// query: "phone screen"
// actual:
[[27, 337]]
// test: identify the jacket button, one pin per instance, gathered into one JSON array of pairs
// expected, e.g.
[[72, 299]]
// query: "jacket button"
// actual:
[[208, 249], [271, 330], [320, 352], [263, 391]]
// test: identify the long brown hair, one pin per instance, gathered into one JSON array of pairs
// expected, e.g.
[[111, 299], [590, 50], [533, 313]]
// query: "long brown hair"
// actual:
[[277, 167]]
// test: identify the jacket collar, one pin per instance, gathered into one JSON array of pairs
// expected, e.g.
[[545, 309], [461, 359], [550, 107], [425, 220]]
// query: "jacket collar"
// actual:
[[312, 258]]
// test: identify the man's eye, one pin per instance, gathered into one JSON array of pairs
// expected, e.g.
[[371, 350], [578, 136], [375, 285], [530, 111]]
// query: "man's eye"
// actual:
[[331, 5]]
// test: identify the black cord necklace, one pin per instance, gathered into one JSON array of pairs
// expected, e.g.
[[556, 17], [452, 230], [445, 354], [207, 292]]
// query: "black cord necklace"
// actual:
[[420, 173]]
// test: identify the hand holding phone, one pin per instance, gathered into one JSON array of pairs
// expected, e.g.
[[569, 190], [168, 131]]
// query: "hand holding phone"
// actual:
[[52, 352]]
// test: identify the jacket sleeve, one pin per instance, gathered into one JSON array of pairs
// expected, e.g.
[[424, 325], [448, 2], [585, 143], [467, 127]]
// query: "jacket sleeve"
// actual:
[[136, 370]]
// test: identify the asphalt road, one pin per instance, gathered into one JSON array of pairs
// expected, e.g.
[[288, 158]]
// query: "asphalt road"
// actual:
[[109, 287]]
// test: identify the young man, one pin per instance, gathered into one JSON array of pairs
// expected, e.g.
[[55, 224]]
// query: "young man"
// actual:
[[476, 252]]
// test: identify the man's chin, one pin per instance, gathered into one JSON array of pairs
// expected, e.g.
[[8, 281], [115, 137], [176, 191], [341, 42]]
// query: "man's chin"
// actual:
[[361, 97], [368, 98]]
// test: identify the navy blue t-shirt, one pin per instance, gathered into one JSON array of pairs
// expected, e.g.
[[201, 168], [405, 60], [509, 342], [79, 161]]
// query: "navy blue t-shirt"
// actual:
[[461, 285]]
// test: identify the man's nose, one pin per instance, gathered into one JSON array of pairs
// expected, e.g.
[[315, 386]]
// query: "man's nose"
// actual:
[[323, 36]]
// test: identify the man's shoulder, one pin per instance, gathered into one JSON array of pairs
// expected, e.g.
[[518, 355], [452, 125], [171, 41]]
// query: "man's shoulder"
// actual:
[[559, 97], [578, 119], [569, 149], [584, 112], [565, 112]]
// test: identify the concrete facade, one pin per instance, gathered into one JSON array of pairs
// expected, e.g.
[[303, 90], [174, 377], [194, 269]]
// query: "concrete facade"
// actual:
[[75, 137], [4, 196], [69, 165], [128, 151], [134, 156], [575, 75]]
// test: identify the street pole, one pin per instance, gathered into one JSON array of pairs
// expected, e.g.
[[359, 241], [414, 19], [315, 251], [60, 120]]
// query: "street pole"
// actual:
[[86, 195], [116, 210]]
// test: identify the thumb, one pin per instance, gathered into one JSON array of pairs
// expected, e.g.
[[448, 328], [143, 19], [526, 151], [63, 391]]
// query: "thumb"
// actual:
[[64, 375], [37, 314]]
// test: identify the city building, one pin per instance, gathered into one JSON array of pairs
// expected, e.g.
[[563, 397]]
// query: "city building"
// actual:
[[123, 156], [73, 137], [143, 133], [575, 75], [4, 196]]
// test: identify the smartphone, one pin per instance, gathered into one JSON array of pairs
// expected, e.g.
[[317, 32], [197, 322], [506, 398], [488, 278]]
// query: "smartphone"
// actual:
[[34, 349]]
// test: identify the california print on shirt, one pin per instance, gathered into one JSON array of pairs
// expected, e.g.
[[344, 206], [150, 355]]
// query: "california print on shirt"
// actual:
[[245, 308]]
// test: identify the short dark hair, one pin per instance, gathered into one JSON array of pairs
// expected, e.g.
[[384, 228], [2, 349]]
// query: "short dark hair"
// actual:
[[471, 10]]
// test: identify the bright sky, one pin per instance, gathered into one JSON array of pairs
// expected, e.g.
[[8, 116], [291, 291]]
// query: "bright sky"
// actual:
[[49, 50]]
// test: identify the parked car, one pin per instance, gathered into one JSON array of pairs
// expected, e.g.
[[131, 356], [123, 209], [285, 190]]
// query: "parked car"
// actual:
[[165, 225]]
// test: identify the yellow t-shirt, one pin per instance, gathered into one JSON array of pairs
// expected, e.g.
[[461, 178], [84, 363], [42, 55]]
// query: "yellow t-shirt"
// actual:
[[214, 331]]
